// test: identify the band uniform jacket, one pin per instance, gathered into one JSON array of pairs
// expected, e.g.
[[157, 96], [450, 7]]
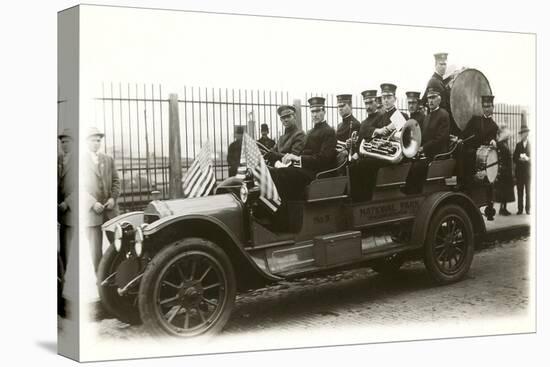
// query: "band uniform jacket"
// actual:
[[419, 116], [345, 128], [320, 150], [65, 188], [101, 182], [234, 156], [435, 132], [292, 141], [437, 82], [267, 142], [484, 130], [385, 119], [522, 168], [368, 126]]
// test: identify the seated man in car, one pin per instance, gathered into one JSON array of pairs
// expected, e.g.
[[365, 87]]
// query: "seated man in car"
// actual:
[[319, 154], [364, 172], [293, 139], [435, 140]]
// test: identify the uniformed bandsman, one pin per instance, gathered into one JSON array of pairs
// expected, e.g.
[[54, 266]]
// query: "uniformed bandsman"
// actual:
[[319, 154], [379, 105], [349, 123], [413, 102], [483, 131], [367, 127], [436, 127], [385, 126], [293, 139]]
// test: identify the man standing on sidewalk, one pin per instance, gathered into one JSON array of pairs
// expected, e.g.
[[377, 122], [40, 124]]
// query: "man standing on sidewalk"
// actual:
[[102, 188], [522, 161]]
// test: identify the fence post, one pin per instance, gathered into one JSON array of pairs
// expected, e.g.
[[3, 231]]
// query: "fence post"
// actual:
[[297, 103], [174, 153]]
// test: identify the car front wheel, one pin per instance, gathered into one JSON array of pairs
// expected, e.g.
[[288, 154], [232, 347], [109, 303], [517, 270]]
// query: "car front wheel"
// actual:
[[188, 289]]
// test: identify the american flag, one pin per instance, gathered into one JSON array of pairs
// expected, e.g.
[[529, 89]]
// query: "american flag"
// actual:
[[252, 159], [200, 179]]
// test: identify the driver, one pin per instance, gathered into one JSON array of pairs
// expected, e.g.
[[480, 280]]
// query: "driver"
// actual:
[[293, 139], [319, 154]]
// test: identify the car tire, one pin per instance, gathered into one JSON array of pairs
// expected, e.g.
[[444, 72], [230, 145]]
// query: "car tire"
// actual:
[[449, 246], [124, 307], [188, 289]]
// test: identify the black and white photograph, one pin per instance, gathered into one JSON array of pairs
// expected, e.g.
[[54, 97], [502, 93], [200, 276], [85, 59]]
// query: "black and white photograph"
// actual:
[[232, 183]]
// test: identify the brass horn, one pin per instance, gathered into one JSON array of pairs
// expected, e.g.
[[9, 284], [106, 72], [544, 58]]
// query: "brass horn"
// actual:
[[404, 142]]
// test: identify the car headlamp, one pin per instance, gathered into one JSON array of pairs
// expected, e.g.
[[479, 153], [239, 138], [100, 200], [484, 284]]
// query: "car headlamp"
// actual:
[[138, 247], [243, 193], [118, 237]]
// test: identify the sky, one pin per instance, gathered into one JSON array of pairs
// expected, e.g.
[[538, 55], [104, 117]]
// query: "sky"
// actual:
[[176, 48]]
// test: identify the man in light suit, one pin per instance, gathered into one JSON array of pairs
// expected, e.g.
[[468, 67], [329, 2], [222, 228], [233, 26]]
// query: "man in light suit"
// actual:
[[102, 188]]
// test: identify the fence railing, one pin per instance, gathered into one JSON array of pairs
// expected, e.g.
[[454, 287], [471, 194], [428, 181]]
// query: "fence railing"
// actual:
[[135, 120]]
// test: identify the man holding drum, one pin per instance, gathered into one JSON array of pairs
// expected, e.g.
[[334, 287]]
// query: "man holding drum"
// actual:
[[483, 131]]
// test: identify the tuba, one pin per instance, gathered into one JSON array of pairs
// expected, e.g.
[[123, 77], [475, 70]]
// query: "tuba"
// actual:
[[403, 142]]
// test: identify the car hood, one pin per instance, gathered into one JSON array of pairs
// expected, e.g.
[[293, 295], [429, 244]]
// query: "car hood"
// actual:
[[207, 205]]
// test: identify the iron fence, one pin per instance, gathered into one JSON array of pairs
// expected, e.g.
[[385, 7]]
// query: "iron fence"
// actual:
[[135, 120]]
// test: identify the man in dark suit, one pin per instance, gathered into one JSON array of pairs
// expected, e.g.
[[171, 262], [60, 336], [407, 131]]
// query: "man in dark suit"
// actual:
[[522, 161], [102, 189], [349, 123], [265, 140], [293, 139], [66, 209], [319, 154], [234, 150], [413, 102]]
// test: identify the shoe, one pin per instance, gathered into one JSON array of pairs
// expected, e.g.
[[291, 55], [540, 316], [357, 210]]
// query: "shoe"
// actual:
[[527, 212], [491, 218], [520, 212], [504, 212]]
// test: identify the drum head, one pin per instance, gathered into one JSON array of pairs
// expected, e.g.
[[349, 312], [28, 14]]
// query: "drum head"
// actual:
[[492, 165], [465, 96]]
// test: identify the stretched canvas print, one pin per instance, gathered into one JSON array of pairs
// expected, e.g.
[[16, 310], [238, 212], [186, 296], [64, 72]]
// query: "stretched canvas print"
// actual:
[[236, 183]]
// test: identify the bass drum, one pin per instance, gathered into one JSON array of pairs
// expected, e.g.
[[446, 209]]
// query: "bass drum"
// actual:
[[486, 164], [466, 90]]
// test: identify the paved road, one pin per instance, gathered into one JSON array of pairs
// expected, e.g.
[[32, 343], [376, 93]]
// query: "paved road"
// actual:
[[497, 285]]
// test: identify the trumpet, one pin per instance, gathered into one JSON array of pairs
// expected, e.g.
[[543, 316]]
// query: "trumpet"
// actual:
[[405, 142]]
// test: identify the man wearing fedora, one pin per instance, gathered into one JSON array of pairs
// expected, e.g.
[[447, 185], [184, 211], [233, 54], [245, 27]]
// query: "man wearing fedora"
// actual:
[[234, 150], [349, 123], [293, 139], [66, 211], [265, 140], [102, 189], [319, 154], [522, 161], [482, 130]]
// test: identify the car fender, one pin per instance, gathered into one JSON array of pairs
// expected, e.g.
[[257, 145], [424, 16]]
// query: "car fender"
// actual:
[[433, 203], [208, 227]]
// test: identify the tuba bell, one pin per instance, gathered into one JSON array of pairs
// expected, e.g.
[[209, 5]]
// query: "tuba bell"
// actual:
[[404, 142]]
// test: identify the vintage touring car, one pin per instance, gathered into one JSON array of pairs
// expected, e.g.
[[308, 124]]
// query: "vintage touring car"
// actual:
[[176, 267]]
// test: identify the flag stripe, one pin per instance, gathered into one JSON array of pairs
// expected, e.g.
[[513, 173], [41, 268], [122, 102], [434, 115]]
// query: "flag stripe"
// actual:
[[200, 178]]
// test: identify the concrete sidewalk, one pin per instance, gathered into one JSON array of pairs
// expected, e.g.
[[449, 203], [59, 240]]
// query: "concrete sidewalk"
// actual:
[[507, 227]]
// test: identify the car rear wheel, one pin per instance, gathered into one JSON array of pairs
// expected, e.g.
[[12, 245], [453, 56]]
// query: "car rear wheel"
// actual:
[[122, 307], [449, 247], [188, 289]]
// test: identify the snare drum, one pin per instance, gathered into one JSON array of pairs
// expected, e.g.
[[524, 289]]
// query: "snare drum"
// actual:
[[486, 163]]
